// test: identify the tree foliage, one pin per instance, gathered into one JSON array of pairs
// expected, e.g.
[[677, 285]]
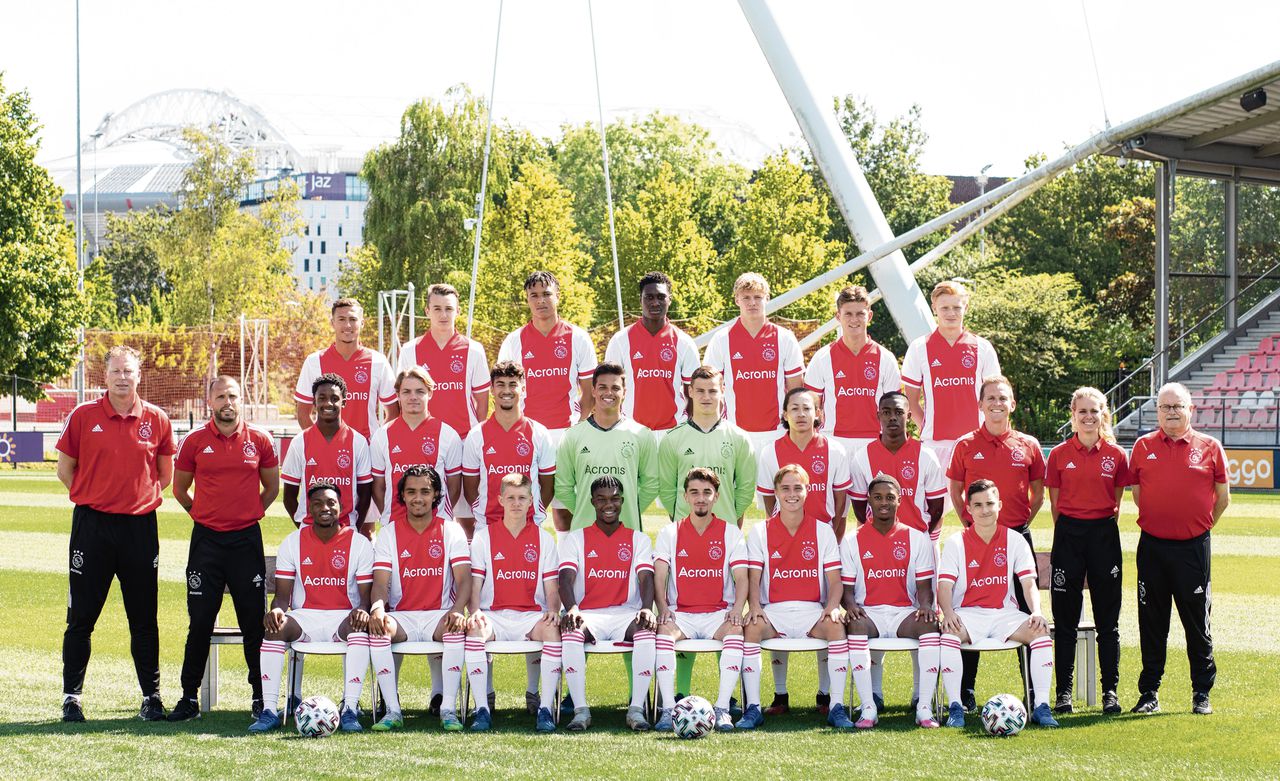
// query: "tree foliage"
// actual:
[[130, 254]]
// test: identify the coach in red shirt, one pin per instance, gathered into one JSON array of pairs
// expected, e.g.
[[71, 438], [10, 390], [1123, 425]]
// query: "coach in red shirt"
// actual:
[[116, 456], [238, 473], [1014, 462], [1179, 479]]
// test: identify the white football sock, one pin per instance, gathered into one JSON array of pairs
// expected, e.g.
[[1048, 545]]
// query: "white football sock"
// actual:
[[453, 661], [1041, 668], [664, 661], [837, 668], [779, 665], [877, 673], [271, 660], [575, 667], [384, 670], [549, 673], [435, 663], [824, 673], [355, 665], [952, 666], [927, 669], [915, 673], [860, 669], [642, 653], [751, 672], [730, 669], [477, 670], [532, 672]]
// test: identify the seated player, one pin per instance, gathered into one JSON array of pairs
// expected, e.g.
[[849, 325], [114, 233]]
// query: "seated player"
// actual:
[[975, 591], [606, 587], [421, 582], [324, 572], [700, 586], [514, 595], [887, 571], [793, 591]]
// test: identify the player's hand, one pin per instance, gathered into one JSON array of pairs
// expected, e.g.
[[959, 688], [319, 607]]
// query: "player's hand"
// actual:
[[273, 621], [571, 620], [835, 615], [455, 621], [855, 613], [1037, 621], [474, 621], [550, 618], [359, 620], [951, 624], [645, 619], [377, 622], [755, 616], [734, 617], [926, 615], [667, 617]]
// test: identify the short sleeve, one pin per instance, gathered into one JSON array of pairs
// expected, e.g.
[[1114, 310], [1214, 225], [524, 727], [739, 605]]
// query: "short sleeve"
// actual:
[[642, 551], [736, 543], [860, 474], [584, 354], [664, 549], [615, 351], [952, 564], [364, 473], [913, 364], [932, 480], [287, 557], [818, 376], [408, 355], [543, 450], [384, 550], [267, 450], [478, 368], [456, 547], [922, 555], [828, 550], [686, 356], [890, 377], [988, 361], [387, 379], [955, 470], [550, 559], [1122, 467], [1024, 561], [849, 559], [1052, 472], [840, 478], [717, 356], [69, 440], [379, 458], [792, 358], [362, 552], [186, 460], [755, 545], [471, 461], [1036, 470], [165, 448], [450, 450], [310, 370], [510, 349], [766, 468], [571, 551], [295, 461], [1220, 463], [480, 554]]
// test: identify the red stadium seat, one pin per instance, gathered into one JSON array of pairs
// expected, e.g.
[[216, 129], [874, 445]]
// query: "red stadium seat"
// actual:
[[1262, 418], [1235, 380], [1273, 363], [1243, 363], [1239, 418], [1267, 346], [1208, 418], [1210, 401], [1219, 381], [1253, 381], [1271, 380]]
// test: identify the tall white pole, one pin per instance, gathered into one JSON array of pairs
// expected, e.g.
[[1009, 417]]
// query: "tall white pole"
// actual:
[[849, 187], [484, 177], [80, 378], [608, 184]]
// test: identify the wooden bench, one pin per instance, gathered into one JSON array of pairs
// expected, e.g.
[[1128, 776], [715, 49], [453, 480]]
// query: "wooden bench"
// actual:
[[227, 635], [1086, 677]]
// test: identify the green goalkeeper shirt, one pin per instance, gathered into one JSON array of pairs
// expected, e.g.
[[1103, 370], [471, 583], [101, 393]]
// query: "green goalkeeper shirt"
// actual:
[[628, 451], [724, 450]]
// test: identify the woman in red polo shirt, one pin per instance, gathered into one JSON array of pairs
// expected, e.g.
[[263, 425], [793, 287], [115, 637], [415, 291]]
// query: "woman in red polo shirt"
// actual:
[[1086, 476]]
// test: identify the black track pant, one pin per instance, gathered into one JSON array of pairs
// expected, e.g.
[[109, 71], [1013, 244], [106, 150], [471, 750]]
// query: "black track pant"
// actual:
[[970, 658], [1086, 549], [1174, 571], [217, 561], [105, 546]]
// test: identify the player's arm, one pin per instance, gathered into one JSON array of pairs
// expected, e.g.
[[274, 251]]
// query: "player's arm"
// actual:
[[471, 489], [551, 593], [924, 601], [164, 469], [269, 479], [304, 414], [841, 500], [1031, 593], [745, 472], [364, 494], [588, 398], [741, 589], [770, 505], [935, 508], [291, 502], [359, 616], [546, 489], [1037, 499], [273, 621], [661, 572], [1221, 498], [566, 479], [668, 480], [835, 592], [1053, 502], [182, 488], [950, 622], [379, 494], [453, 487], [378, 592], [568, 600], [66, 468], [956, 489], [462, 599], [644, 582], [796, 381], [859, 510], [480, 403]]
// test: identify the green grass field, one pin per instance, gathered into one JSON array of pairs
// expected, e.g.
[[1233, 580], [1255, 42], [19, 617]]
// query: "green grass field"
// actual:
[[1239, 741]]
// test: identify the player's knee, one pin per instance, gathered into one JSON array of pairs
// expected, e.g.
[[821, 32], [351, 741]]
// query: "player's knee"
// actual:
[[858, 626]]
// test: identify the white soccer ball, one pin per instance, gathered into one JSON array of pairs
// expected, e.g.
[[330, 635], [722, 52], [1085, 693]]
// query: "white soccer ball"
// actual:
[[693, 717], [1003, 715], [316, 717]]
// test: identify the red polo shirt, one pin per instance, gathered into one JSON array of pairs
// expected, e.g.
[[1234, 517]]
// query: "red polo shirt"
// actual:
[[1176, 478], [228, 487], [116, 455], [1087, 478], [1012, 461]]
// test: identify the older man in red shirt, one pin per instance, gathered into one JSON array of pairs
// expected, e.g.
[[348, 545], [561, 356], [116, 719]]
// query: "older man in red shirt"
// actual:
[[1179, 480], [115, 456]]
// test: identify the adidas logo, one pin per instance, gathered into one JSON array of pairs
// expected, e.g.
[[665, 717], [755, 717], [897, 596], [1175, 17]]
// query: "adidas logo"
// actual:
[[476, 671], [395, 449], [570, 670], [405, 554], [637, 356], [1115, 572], [490, 451], [97, 428], [207, 449], [776, 555], [737, 356], [266, 677], [384, 671], [1199, 590], [855, 669], [688, 451], [733, 668], [1071, 465], [257, 579], [306, 562], [979, 457], [840, 374], [662, 668], [1151, 456], [498, 556], [455, 669], [584, 449], [973, 563], [528, 354], [682, 553], [591, 554], [867, 555], [645, 673], [355, 679], [935, 363], [311, 462]]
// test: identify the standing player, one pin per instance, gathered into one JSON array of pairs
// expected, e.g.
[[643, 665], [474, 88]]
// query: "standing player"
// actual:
[[239, 477], [332, 452], [324, 572], [506, 443], [515, 594], [1179, 479], [115, 456], [851, 373], [793, 591], [707, 440], [606, 444], [421, 585], [759, 360], [457, 364], [657, 357], [981, 568], [606, 587], [700, 587], [945, 370], [414, 437], [825, 461], [368, 376], [887, 570], [1086, 476], [1014, 462]]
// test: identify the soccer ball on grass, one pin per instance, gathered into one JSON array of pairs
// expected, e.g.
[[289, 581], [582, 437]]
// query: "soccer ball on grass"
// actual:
[[1003, 715], [316, 717], [693, 717]]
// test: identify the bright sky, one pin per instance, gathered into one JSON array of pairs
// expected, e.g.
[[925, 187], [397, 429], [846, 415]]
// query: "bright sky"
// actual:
[[997, 80]]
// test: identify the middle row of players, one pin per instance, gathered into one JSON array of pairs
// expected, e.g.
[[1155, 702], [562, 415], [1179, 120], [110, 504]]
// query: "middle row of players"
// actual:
[[787, 578]]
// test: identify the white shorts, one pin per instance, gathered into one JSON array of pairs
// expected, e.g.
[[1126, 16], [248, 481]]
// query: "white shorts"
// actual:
[[763, 439], [556, 436], [943, 448], [419, 625], [512, 624], [608, 623], [853, 445], [699, 626], [318, 626], [984, 623], [793, 619], [887, 618]]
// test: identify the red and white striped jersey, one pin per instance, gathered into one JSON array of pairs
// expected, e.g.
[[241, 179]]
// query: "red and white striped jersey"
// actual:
[[657, 368], [459, 369], [553, 366], [986, 574], [421, 565], [793, 567], [824, 460], [701, 565], [396, 447], [756, 370], [917, 471], [851, 386], [950, 377], [491, 452], [343, 461], [514, 572], [370, 381], [325, 575], [884, 568], [608, 566]]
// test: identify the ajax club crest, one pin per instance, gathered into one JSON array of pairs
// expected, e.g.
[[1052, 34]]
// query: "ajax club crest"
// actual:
[[769, 354], [624, 554], [869, 372], [908, 472], [344, 459], [715, 552], [250, 450], [435, 550], [561, 351], [339, 560], [1000, 559], [809, 552], [900, 552], [968, 361], [522, 449], [144, 430], [819, 466], [428, 447], [1108, 464], [456, 366], [362, 376], [530, 553], [667, 354]]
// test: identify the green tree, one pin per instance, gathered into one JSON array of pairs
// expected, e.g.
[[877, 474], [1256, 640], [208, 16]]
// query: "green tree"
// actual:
[[658, 232], [533, 229], [131, 256], [38, 278], [783, 227]]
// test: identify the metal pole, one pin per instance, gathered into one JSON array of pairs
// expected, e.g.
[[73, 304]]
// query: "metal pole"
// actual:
[[80, 378], [1231, 191], [849, 187], [604, 155], [413, 315], [484, 178], [1160, 366], [382, 345], [13, 400]]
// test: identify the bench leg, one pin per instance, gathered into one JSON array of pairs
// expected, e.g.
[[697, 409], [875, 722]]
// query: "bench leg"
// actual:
[[1091, 666], [210, 665]]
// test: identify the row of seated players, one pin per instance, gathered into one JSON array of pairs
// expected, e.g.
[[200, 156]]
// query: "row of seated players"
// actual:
[[788, 577]]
